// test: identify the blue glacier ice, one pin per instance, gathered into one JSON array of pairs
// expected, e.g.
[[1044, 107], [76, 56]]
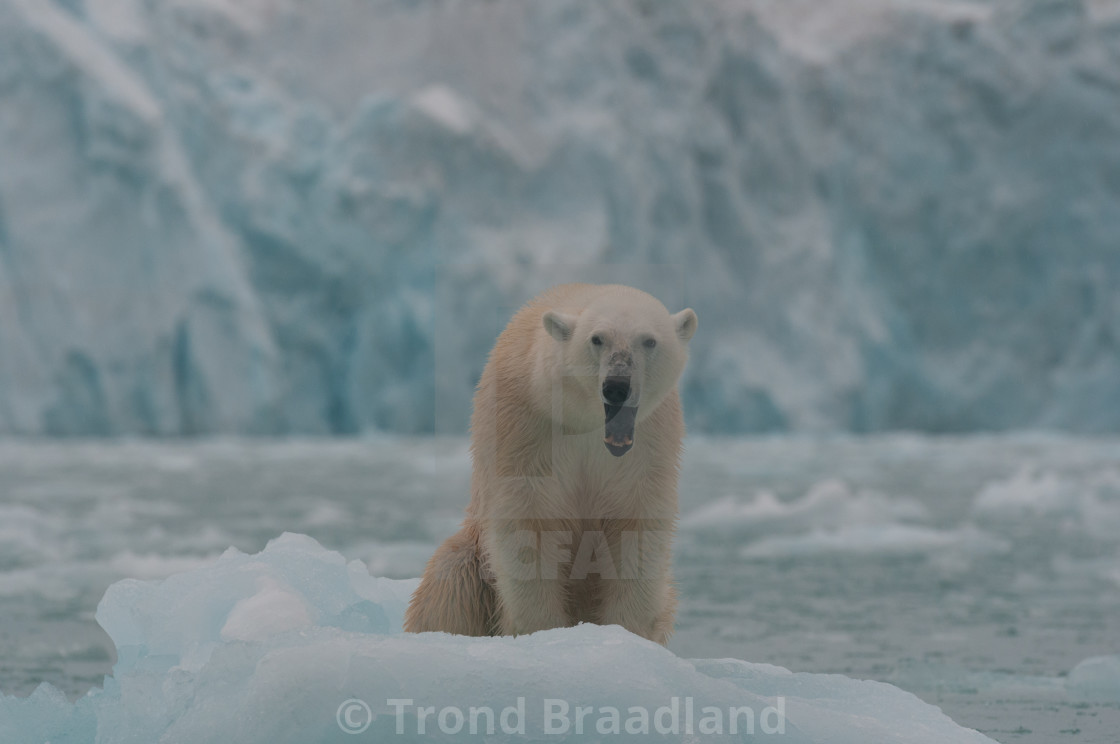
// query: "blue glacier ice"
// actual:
[[295, 644], [259, 218]]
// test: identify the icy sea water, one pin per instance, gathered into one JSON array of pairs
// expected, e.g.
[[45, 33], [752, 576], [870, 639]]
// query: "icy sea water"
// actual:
[[975, 572]]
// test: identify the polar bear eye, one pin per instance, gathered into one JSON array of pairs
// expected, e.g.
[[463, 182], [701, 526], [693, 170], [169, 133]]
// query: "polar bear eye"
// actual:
[[596, 341], [649, 343]]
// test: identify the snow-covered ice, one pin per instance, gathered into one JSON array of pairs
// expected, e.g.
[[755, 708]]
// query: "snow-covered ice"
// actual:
[[271, 648]]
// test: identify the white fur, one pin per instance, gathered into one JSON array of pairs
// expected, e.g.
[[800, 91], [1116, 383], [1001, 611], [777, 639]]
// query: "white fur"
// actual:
[[545, 486]]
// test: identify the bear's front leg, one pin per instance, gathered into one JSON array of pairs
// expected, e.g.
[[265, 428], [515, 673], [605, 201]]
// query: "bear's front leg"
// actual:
[[642, 598], [646, 608], [528, 565]]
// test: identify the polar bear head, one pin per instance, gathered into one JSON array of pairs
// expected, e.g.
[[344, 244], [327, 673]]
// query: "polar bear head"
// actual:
[[619, 356]]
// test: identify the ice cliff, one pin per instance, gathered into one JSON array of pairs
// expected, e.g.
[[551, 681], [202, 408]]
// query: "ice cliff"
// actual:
[[263, 217]]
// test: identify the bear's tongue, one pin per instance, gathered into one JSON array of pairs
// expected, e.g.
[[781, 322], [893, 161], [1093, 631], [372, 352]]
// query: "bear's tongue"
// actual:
[[619, 428]]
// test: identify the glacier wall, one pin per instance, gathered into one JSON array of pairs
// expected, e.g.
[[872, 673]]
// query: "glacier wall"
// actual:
[[250, 217]]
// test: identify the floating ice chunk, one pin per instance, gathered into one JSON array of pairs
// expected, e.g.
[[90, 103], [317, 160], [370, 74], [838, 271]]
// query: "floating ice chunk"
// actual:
[[893, 539], [1027, 492], [1096, 679], [1088, 502], [294, 644], [831, 518], [186, 613], [828, 504]]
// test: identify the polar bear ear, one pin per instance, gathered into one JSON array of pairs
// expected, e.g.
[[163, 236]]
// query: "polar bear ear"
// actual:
[[685, 322], [559, 325]]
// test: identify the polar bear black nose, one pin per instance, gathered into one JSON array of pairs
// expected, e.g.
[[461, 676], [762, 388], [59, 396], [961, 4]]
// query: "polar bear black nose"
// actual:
[[616, 390]]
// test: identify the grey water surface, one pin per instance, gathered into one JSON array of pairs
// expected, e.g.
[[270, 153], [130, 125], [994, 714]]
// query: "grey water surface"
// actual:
[[975, 572]]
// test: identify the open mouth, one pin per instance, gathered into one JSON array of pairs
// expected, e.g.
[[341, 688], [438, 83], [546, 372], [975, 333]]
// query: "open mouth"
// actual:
[[618, 431]]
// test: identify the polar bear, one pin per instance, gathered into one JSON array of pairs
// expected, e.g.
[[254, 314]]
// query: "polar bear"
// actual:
[[576, 442]]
